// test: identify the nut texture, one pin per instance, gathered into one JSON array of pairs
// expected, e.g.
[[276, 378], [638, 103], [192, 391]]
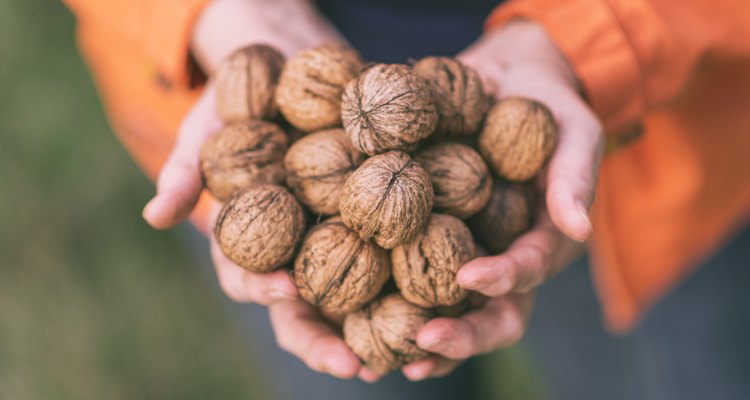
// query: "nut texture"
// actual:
[[460, 177], [388, 107], [336, 271], [241, 155], [317, 167], [384, 334], [518, 136], [425, 268], [259, 228], [509, 213], [388, 198], [458, 93], [246, 82], [311, 84]]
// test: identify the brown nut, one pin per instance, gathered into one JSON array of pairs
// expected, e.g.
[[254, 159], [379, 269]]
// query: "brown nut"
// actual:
[[259, 228], [460, 177], [388, 107], [241, 155], [336, 271], [311, 84], [246, 83], [425, 268], [384, 333], [518, 136], [458, 93], [317, 166], [509, 213], [387, 199]]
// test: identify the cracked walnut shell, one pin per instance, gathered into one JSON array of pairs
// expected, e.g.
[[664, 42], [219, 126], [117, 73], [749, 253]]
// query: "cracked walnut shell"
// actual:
[[387, 199], [241, 155], [246, 83], [384, 333], [336, 271], [388, 107], [460, 178], [317, 166], [458, 93], [311, 84], [259, 228], [425, 268], [518, 136]]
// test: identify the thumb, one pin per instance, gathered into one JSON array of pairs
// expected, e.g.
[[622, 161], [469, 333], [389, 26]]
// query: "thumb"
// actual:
[[180, 183]]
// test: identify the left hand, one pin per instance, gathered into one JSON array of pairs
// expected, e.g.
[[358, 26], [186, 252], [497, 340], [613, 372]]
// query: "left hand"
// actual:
[[520, 59]]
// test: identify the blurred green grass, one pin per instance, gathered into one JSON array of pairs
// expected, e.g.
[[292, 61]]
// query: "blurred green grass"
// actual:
[[93, 303]]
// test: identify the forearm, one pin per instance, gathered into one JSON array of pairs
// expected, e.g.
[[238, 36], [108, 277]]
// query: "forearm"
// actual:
[[226, 25]]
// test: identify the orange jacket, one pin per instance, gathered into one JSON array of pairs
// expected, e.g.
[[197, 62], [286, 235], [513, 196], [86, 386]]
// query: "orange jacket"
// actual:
[[680, 67]]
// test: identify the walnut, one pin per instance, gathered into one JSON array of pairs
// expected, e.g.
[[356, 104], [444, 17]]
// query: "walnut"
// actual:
[[458, 93], [259, 228], [317, 167], [518, 136], [509, 213], [388, 108], [384, 334], [460, 177], [388, 198], [241, 155], [311, 84], [336, 271], [246, 82], [425, 268]]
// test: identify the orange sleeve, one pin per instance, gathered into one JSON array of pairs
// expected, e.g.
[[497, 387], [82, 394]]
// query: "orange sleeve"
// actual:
[[160, 29], [636, 55]]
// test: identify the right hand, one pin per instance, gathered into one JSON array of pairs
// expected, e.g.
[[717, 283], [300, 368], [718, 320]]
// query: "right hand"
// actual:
[[223, 27]]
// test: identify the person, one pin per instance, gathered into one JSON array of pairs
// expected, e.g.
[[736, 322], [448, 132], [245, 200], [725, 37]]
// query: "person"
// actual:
[[651, 99]]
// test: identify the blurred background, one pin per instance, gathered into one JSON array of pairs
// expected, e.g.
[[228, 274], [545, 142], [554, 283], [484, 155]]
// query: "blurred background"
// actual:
[[93, 303]]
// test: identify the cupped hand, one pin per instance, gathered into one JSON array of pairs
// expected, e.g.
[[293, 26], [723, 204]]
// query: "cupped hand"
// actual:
[[521, 60], [223, 27]]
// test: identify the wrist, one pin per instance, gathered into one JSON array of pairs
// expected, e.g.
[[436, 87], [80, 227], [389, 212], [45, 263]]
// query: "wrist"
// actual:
[[227, 25], [520, 48]]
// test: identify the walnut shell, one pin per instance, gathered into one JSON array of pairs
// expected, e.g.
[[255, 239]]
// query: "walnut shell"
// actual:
[[388, 108], [241, 155], [336, 271], [259, 228], [458, 93], [387, 199], [384, 333], [246, 83], [509, 213], [518, 136], [425, 268], [311, 84], [317, 167], [460, 177]]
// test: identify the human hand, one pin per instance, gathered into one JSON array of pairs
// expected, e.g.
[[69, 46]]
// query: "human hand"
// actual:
[[521, 60], [223, 27]]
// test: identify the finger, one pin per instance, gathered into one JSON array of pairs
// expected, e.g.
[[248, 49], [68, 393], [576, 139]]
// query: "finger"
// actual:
[[368, 375], [180, 183], [572, 174], [527, 263], [432, 367], [501, 323], [301, 331], [244, 286]]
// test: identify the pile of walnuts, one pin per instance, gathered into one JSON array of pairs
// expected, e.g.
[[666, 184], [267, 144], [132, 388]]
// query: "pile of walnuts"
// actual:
[[398, 172]]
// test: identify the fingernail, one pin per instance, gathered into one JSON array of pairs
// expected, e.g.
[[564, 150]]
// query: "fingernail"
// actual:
[[417, 375], [338, 369], [277, 294], [148, 210], [584, 216], [436, 345]]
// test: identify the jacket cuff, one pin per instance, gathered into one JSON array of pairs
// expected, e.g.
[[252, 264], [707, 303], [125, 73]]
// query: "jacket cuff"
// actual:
[[167, 39], [591, 37]]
